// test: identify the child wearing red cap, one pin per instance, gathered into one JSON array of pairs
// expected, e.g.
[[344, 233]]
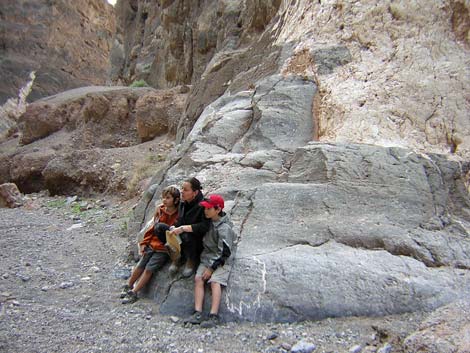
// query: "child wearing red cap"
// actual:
[[216, 261]]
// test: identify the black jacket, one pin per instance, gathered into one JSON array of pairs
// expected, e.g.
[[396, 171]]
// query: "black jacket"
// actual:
[[191, 213]]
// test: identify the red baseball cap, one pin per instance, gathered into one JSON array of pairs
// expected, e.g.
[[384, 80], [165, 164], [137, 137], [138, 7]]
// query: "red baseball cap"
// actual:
[[213, 201]]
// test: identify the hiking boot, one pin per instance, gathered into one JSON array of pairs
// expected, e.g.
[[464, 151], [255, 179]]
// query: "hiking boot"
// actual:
[[173, 268], [175, 255], [130, 298], [124, 290], [212, 321], [188, 269], [195, 318]]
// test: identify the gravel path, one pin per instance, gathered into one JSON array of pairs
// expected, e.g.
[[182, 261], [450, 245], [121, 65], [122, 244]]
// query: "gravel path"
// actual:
[[60, 276]]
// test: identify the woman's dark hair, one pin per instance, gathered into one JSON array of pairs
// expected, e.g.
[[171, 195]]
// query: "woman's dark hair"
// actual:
[[195, 184]]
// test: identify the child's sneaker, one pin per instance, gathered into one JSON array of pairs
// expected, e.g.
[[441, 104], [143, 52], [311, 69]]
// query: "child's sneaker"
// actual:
[[212, 321], [130, 298], [124, 290], [195, 318]]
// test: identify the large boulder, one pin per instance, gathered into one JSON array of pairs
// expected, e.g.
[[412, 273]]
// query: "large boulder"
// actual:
[[158, 113], [26, 168], [325, 230], [92, 140]]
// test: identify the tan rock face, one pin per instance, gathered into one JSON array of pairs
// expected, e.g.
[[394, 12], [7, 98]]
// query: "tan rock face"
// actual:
[[66, 42], [26, 169], [407, 83], [41, 119], [112, 117], [446, 330], [91, 139], [157, 113]]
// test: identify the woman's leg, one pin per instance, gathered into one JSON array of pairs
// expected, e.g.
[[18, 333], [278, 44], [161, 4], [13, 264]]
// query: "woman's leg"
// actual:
[[191, 248]]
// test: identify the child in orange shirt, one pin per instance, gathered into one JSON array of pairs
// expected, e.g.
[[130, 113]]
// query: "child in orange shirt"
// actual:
[[153, 251]]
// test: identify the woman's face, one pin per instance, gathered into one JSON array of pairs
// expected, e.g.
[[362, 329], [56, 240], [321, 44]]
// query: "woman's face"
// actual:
[[187, 194]]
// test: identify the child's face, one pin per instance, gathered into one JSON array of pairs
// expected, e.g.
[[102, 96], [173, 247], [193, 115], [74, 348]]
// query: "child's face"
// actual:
[[211, 213], [168, 200]]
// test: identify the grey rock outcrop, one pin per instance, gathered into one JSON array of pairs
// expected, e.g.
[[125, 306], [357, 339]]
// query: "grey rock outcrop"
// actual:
[[325, 230], [367, 220]]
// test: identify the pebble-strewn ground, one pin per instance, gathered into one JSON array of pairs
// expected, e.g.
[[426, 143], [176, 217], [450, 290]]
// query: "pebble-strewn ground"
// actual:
[[59, 285]]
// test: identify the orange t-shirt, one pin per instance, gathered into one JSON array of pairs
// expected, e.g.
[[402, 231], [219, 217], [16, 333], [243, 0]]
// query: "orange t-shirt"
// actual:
[[165, 217]]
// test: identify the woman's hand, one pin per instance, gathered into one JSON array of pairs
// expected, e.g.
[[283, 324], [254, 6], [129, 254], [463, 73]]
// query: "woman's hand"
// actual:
[[178, 230], [182, 229]]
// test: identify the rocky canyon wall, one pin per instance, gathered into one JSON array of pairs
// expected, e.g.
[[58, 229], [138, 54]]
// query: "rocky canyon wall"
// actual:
[[320, 127], [318, 121], [393, 73], [65, 42]]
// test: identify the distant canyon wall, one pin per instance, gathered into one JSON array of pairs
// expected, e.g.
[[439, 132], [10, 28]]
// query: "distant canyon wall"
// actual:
[[66, 42], [393, 73]]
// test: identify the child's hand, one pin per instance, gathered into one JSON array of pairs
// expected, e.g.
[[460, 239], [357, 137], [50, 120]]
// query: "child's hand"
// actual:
[[142, 249], [207, 274]]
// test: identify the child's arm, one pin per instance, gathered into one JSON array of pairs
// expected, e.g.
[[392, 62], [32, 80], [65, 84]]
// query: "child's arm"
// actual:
[[158, 214]]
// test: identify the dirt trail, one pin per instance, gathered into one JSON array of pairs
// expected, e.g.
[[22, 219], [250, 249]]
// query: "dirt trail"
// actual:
[[61, 269]]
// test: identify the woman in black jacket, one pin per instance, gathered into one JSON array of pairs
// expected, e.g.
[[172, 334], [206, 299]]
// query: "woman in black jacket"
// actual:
[[191, 225]]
